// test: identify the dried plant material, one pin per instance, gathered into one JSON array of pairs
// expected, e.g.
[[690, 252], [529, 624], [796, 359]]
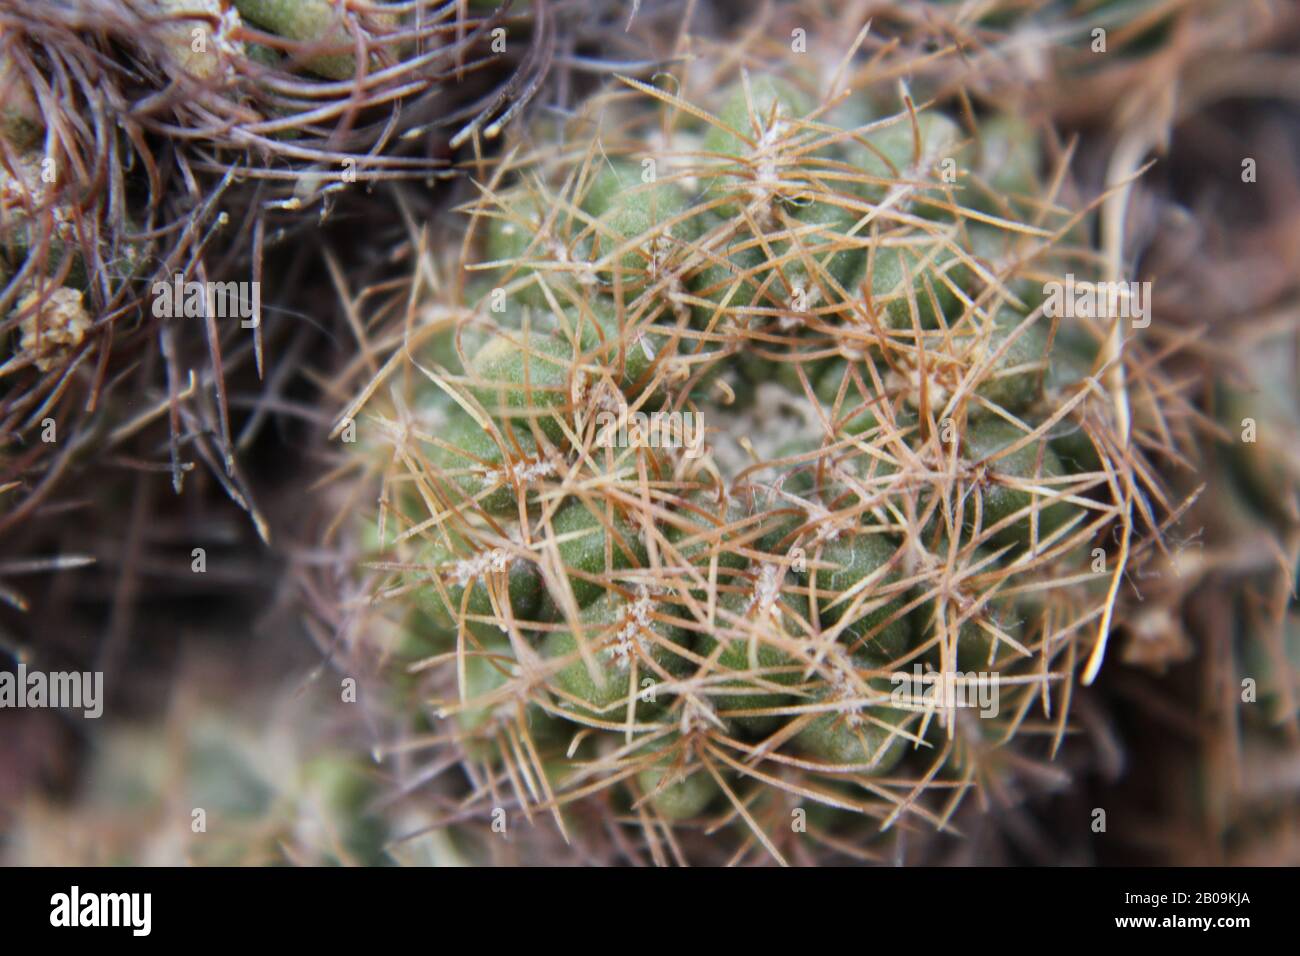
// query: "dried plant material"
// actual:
[[54, 326], [199, 35]]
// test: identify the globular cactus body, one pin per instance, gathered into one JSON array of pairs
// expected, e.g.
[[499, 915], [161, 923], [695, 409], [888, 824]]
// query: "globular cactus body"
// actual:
[[879, 494]]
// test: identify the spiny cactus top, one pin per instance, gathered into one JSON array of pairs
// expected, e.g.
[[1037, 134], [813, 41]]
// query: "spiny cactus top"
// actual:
[[748, 466]]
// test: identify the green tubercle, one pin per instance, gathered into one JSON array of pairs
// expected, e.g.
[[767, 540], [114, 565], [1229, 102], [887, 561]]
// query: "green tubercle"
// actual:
[[481, 572], [850, 560], [594, 542], [1002, 491], [629, 640]]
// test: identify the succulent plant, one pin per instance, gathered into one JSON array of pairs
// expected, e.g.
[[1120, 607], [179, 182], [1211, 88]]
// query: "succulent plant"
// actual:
[[904, 496], [309, 96], [207, 788], [146, 140], [724, 481]]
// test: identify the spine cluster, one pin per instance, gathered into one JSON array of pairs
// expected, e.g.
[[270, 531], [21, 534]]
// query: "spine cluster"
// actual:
[[893, 550]]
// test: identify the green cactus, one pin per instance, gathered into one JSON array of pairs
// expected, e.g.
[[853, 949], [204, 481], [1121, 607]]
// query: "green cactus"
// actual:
[[774, 587], [206, 787]]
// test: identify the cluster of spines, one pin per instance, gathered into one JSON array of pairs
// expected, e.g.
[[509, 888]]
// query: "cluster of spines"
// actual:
[[730, 622]]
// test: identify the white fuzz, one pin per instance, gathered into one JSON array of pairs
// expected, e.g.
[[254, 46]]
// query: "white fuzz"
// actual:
[[610, 399], [767, 173], [938, 393], [584, 273], [470, 569], [766, 591], [636, 618], [227, 26], [661, 248], [519, 473], [843, 692]]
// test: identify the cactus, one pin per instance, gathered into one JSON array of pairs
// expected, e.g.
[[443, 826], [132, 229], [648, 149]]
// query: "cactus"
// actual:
[[143, 139], [208, 788], [734, 426], [310, 83], [904, 474]]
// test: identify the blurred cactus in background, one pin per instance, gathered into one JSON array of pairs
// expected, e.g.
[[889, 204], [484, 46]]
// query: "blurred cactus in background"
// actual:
[[208, 787]]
